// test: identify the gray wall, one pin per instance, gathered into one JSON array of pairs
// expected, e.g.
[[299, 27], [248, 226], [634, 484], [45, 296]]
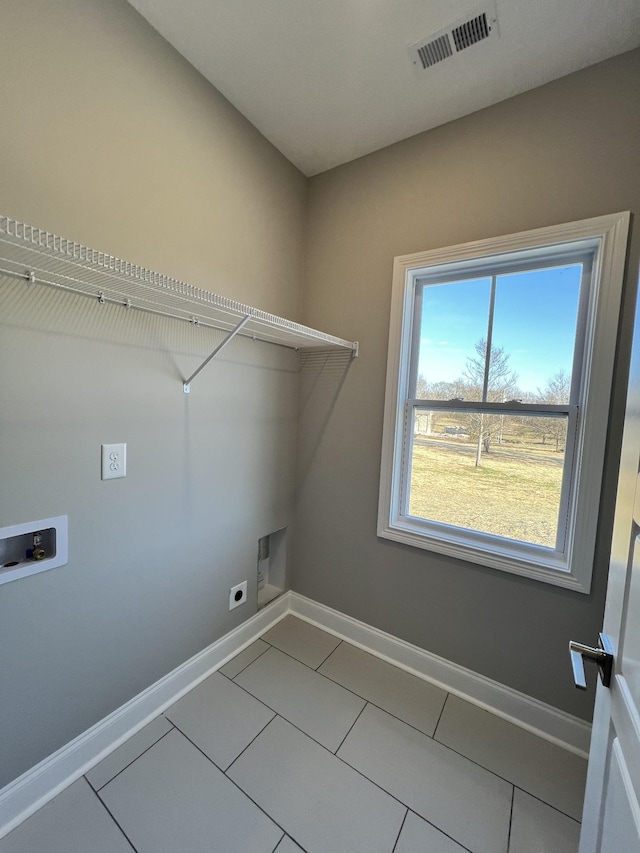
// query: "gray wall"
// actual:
[[569, 150], [109, 138]]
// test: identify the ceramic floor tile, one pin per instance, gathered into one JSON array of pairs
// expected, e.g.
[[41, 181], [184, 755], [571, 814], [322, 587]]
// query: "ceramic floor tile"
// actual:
[[288, 846], [542, 768], [404, 695], [131, 749], [322, 709], [418, 836], [220, 718], [246, 656], [538, 828], [323, 804], [173, 798], [305, 642], [73, 822], [462, 799]]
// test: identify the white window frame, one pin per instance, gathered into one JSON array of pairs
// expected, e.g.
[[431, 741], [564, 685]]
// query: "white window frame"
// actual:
[[607, 237]]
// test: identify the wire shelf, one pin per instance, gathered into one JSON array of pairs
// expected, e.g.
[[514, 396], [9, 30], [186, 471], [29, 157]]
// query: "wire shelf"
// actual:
[[39, 257]]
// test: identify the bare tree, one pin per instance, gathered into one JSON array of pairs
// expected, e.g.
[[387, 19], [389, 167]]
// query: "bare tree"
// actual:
[[496, 385], [422, 388], [441, 390], [556, 391]]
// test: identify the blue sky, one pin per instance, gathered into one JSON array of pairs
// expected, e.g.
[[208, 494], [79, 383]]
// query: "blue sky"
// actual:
[[534, 321]]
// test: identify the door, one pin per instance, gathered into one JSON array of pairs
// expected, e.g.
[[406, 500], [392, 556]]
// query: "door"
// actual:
[[611, 817]]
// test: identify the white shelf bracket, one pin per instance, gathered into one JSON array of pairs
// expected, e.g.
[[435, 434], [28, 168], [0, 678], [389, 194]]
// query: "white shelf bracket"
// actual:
[[221, 346]]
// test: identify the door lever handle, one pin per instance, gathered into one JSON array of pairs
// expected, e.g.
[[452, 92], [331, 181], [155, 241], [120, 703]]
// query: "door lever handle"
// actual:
[[602, 656]]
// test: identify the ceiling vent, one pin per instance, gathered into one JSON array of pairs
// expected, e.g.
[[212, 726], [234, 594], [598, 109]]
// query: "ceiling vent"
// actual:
[[456, 37]]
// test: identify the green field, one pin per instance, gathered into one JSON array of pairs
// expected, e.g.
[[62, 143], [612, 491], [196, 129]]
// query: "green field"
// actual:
[[514, 493]]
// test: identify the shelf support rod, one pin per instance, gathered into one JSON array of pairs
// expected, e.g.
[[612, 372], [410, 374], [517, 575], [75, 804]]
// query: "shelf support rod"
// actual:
[[221, 346]]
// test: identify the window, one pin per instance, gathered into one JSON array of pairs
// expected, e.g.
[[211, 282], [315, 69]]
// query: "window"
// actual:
[[498, 381]]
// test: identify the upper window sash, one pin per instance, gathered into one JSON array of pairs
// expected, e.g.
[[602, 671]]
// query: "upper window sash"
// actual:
[[582, 253]]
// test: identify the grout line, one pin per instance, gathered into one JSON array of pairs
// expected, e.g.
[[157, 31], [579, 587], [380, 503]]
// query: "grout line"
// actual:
[[388, 793], [458, 753], [229, 766], [297, 843], [346, 763], [244, 793], [133, 760], [370, 701], [293, 657], [275, 711], [350, 728], [545, 803], [222, 769], [513, 796], [208, 757], [440, 717], [497, 775], [472, 760], [279, 714], [338, 684], [394, 797], [269, 646], [322, 746], [390, 713], [328, 656], [404, 819], [279, 841], [359, 773], [110, 813], [440, 830]]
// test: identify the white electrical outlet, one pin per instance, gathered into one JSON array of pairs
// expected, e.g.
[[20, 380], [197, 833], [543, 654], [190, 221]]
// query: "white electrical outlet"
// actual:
[[237, 595], [114, 461]]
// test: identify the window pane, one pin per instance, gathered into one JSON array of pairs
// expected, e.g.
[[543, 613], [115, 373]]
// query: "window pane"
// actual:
[[495, 474], [454, 318], [532, 336], [534, 324]]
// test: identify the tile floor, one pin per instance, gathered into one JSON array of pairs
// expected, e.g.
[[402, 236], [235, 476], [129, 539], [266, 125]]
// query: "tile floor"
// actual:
[[306, 743]]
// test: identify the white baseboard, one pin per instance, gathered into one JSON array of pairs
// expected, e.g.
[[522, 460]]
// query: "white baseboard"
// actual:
[[548, 722], [41, 783]]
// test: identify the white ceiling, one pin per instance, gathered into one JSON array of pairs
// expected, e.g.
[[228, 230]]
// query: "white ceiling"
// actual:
[[327, 81]]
